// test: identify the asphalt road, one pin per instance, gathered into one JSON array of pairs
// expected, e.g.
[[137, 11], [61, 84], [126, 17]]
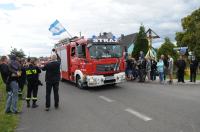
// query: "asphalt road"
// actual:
[[128, 107]]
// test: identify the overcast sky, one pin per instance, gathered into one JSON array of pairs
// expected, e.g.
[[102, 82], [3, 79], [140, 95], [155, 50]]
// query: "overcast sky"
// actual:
[[24, 23]]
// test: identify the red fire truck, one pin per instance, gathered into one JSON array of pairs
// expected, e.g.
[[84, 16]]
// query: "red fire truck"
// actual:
[[91, 62]]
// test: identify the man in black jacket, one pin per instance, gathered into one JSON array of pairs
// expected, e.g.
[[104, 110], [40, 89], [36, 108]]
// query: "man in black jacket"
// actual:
[[181, 65], [52, 79], [193, 69]]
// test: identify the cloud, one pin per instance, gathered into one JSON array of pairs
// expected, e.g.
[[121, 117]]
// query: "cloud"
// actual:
[[27, 27], [8, 6]]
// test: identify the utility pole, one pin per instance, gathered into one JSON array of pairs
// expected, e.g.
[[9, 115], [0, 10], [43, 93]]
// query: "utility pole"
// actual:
[[80, 34]]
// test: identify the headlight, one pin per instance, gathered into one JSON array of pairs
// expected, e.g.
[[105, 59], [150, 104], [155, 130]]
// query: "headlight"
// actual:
[[123, 77], [91, 80], [95, 80]]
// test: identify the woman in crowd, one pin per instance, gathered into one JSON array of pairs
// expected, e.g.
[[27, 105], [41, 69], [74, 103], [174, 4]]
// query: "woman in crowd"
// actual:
[[160, 68]]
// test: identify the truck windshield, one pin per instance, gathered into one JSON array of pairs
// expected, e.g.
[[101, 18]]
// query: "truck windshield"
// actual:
[[98, 51]]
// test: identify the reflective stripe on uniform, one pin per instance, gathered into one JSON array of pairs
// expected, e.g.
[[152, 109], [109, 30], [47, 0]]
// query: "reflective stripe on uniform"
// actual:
[[34, 98], [29, 72], [28, 98]]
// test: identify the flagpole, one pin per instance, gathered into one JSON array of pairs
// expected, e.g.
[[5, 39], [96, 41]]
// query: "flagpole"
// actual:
[[68, 33]]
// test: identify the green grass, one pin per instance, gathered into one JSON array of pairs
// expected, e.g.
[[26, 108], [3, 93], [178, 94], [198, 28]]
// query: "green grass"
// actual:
[[186, 77], [8, 122]]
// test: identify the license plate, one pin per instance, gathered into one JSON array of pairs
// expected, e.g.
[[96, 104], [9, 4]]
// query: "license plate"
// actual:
[[110, 78]]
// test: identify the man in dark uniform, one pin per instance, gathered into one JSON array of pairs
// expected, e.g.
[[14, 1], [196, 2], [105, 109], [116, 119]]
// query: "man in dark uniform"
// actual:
[[32, 74], [52, 79], [181, 65], [193, 69]]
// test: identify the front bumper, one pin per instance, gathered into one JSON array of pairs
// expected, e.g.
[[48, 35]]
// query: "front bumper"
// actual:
[[99, 80]]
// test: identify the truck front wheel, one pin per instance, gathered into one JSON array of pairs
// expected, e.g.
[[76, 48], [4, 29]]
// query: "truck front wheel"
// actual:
[[79, 83]]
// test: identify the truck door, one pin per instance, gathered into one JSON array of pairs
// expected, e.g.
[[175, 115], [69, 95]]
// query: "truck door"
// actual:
[[73, 62], [81, 54]]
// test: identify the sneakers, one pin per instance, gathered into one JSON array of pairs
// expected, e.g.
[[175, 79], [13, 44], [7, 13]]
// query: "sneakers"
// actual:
[[16, 112], [170, 81], [8, 112], [56, 106], [47, 109]]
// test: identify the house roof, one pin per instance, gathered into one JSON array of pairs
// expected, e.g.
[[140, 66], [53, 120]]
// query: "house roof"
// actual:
[[127, 40]]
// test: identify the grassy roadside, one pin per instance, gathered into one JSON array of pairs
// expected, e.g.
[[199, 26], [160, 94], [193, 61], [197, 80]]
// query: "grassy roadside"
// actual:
[[186, 77], [8, 122]]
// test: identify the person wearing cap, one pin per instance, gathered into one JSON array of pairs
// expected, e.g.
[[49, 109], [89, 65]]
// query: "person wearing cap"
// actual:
[[52, 78], [32, 75]]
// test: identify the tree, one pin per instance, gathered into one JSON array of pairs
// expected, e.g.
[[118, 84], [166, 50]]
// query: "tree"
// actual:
[[191, 33], [17, 53], [167, 49], [141, 43]]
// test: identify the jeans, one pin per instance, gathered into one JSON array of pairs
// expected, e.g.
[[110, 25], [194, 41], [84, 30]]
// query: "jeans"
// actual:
[[12, 97], [161, 76]]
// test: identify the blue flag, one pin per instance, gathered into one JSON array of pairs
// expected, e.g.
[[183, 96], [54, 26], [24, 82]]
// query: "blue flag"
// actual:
[[56, 28]]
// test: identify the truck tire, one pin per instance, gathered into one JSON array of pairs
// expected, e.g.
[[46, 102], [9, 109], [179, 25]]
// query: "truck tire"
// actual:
[[79, 83]]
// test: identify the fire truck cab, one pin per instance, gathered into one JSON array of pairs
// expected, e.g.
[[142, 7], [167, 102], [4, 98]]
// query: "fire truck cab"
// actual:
[[91, 62]]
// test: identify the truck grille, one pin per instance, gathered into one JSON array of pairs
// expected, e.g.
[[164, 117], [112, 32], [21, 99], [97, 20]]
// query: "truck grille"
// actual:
[[109, 81], [105, 67]]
